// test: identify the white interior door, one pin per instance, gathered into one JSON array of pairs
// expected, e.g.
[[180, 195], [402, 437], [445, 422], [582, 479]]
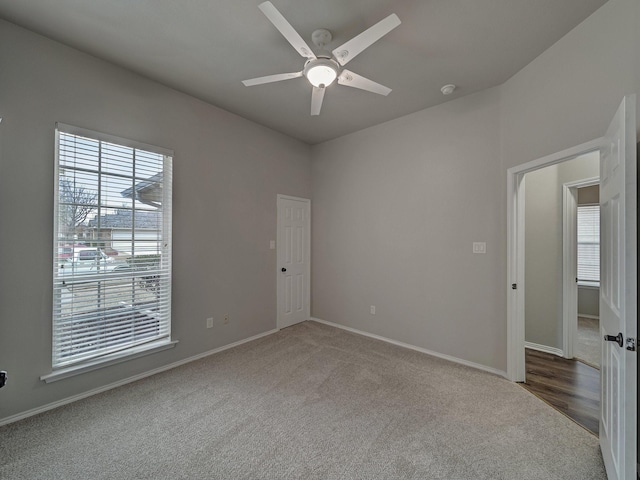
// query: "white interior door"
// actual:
[[618, 293], [294, 260]]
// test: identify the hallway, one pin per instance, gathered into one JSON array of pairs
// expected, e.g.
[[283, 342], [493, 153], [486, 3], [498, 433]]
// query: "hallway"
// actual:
[[570, 386]]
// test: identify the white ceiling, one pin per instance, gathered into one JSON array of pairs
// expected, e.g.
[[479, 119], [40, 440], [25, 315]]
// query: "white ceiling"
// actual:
[[206, 47]]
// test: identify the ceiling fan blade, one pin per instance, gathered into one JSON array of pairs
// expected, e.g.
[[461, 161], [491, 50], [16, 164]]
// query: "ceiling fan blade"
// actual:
[[347, 51], [286, 29], [316, 100], [271, 78], [350, 79]]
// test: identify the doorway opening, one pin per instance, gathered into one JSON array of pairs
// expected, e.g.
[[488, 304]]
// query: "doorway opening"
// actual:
[[550, 289], [516, 192]]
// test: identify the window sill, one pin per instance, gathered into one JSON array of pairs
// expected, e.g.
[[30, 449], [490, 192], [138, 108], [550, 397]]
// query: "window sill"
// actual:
[[108, 360]]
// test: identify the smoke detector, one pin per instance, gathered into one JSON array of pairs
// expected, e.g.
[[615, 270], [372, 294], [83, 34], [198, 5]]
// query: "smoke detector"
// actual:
[[448, 89]]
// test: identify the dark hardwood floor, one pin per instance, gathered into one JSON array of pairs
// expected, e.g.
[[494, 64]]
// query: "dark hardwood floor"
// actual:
[[570, 386]]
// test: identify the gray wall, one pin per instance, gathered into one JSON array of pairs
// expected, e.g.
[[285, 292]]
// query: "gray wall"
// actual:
[[397, 206], [568, 95], [543, 258], [227, 173], [589, 195], [589, 301], [396, 210], [543, 246]]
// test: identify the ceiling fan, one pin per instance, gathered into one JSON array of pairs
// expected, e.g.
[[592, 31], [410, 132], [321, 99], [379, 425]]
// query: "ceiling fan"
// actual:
[[322, 70]]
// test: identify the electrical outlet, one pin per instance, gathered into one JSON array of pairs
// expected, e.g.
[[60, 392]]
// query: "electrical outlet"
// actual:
[[226, 318], [373, 309], [210, 322], [479, 247]]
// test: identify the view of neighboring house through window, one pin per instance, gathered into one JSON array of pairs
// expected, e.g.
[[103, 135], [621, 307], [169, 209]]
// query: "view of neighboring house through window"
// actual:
[[112, 247], [589, 245]]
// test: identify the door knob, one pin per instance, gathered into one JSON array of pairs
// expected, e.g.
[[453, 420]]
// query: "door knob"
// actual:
[[284, 269], [619, 339]]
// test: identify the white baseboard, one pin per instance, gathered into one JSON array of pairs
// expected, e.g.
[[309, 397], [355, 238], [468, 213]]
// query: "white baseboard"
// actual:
[[594, 317], [543, 348], [413, 347], [95, 391]]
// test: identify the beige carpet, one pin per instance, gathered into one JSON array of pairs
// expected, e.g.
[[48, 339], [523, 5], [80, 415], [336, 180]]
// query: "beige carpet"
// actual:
[[588, 345], [310, 402]]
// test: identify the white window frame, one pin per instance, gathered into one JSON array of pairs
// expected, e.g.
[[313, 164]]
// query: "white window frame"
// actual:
[[160, 307], [592, 280]]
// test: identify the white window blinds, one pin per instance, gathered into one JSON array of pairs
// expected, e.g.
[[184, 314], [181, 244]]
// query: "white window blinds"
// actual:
[[112, 246], [589, 245]]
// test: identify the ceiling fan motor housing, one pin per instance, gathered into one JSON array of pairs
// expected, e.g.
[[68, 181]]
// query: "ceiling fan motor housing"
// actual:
[[321, 37]]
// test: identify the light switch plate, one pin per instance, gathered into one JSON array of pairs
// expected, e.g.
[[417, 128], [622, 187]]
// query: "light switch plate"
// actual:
[[479, 247], [272, 244]]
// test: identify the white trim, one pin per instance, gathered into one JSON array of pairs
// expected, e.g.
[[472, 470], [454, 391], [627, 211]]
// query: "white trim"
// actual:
[[515, 251], [135, 378], [289, 197], [543, 348], [592, 317], [569, 269], [558, 157], [461, 361], [119, 357], [515, 297]]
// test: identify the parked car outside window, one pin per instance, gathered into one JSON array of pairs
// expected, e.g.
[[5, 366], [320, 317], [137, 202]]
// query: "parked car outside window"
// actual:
[[90, 261]]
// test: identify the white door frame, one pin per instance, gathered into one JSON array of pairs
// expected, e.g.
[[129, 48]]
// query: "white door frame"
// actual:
[[569, 263], [279, 288], [515, 251]]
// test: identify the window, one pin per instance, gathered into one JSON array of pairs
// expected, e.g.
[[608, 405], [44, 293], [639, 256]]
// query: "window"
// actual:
[[589, 245], [112, 248]]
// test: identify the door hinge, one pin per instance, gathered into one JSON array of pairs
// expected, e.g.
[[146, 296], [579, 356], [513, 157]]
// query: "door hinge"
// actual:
[[514, 286], [631, 344]]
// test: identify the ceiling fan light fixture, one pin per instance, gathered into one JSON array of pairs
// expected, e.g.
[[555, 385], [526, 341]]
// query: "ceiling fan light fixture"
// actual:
[[321, 72]]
